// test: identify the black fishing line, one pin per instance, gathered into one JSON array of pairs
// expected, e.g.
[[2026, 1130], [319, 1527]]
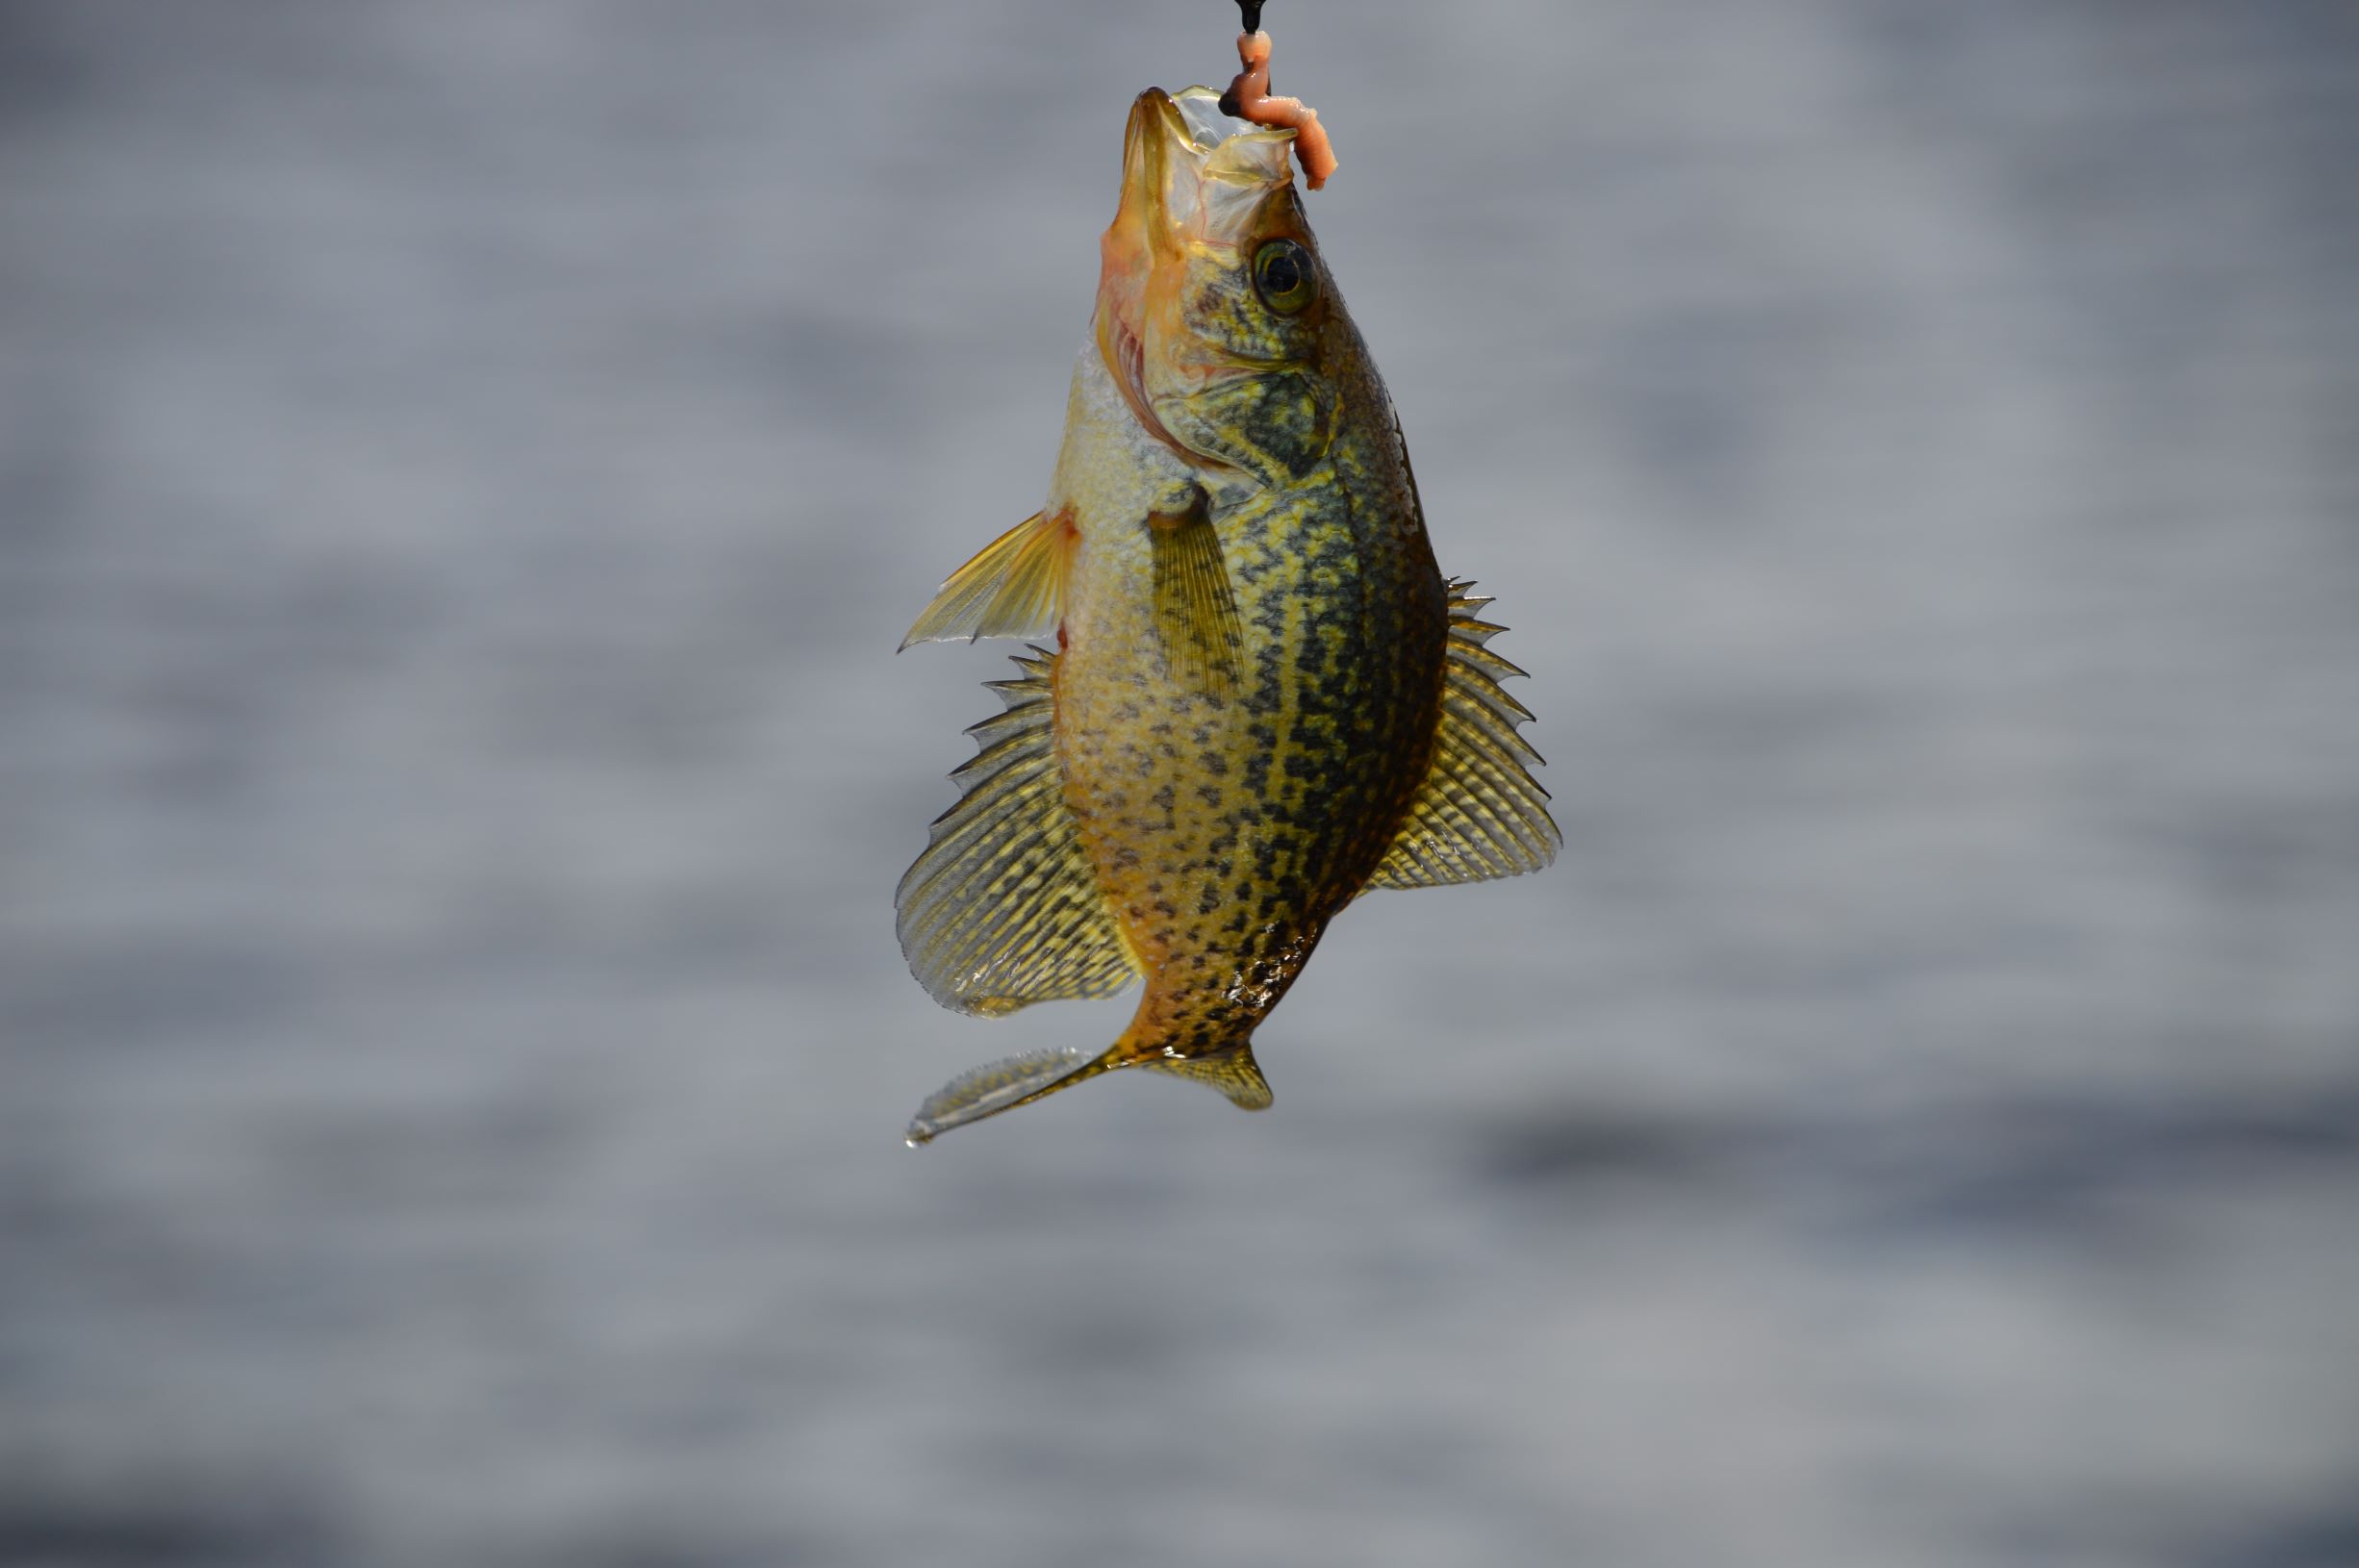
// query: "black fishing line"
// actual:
[[1251, 11]]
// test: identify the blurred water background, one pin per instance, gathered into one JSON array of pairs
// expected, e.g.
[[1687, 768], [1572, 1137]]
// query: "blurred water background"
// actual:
[[464, 470]]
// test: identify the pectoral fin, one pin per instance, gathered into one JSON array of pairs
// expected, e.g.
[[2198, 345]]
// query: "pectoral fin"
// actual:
[[1195, 609], [1479, 813], [1014, 587]]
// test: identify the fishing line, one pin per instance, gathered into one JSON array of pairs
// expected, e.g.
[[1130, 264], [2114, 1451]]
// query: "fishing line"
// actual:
[[1250, 13]]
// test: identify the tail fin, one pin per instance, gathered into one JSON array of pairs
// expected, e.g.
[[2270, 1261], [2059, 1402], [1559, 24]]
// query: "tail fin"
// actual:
[[1018, 1080], [1002, 1086]]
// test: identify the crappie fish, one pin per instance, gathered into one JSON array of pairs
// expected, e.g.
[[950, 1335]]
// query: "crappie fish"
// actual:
[[1264, 698]]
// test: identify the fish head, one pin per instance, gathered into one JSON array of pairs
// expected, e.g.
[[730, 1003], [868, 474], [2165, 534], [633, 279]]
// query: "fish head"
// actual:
[[1215, 315]]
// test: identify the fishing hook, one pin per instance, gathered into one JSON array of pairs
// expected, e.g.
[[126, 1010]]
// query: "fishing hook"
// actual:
[[1250, 13]]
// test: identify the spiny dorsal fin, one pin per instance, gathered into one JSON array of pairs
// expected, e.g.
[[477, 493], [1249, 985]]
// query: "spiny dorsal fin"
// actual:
[[1195, 610], [1014, 587], [1479, 813], [1233, 1072], [1002, 909]]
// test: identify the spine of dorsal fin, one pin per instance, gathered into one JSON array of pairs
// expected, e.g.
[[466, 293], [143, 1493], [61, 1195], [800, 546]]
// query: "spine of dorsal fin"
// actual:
[[1480, 813], [1002, 909]]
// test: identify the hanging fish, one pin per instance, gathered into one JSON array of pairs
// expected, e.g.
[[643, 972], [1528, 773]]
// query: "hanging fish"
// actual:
[[1264, 698]]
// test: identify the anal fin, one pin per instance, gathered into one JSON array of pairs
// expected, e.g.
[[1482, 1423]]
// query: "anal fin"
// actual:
[[1195, 609], [1479, 813], [1002, 909], [1014, 586]]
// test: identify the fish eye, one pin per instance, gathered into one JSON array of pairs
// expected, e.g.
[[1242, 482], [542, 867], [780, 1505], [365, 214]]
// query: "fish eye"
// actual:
[[1285, 276]]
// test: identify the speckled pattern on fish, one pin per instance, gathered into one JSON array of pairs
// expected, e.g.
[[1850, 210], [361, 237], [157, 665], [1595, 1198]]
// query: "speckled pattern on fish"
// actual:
[[1265, 697]]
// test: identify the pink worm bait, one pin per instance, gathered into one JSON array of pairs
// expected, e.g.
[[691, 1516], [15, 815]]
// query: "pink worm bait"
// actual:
[[1249, 99]]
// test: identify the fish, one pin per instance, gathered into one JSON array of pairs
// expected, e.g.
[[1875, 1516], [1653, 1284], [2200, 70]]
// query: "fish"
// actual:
[[1258, 697]]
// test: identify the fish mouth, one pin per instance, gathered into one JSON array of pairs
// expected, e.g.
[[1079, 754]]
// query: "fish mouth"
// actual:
[[1191, 176]]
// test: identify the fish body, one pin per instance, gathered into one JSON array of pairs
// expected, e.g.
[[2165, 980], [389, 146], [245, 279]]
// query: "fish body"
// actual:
[[1265, 697]]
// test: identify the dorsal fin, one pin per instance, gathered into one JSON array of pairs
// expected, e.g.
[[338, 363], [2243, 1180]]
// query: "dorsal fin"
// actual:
[[1002, 909], [1479, 813], [1014, 587]]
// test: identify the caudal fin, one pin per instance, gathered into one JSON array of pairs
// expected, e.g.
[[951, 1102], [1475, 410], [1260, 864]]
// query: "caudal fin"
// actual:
[[1002, 1086], [1018, 1080]]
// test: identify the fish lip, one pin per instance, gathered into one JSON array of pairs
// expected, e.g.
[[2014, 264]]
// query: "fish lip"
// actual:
[[1156, 129]]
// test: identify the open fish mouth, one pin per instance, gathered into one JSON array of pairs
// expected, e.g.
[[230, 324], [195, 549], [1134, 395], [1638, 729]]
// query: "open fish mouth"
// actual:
[[1194, 173], [1200, 109]]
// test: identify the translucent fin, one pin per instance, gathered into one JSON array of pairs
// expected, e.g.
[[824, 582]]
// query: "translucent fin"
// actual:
[[1014, 587], [1002, 909], [1002, 1086], [1479, 813], [1195, 610], [1233, 1072], [1018, 1080]]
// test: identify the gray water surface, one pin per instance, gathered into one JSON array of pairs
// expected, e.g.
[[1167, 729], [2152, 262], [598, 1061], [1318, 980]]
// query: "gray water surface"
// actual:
[[464, 470]]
